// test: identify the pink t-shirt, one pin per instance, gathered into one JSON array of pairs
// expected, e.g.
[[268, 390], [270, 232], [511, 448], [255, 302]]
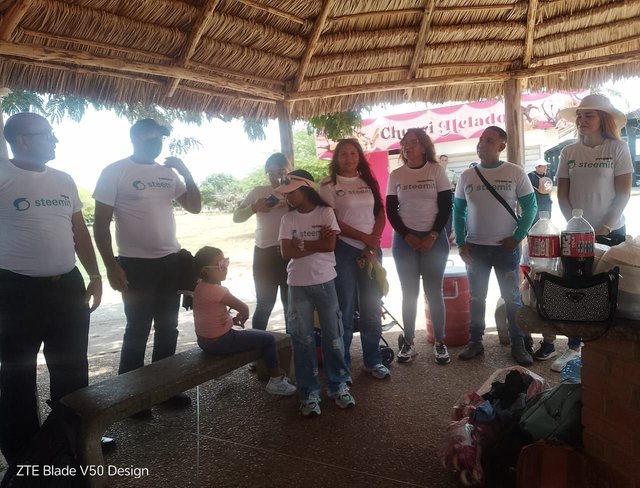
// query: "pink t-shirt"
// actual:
[[207, 310]]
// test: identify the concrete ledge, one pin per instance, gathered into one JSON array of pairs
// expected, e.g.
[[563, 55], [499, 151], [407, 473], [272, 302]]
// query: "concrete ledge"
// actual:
[[101, 404]]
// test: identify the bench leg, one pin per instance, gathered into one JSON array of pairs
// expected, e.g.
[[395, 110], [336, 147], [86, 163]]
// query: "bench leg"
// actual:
[[91, 458], [285, 358]]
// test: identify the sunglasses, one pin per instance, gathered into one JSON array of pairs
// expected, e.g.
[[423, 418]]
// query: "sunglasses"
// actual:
[[285, 180], [49, 135], [222, 264]]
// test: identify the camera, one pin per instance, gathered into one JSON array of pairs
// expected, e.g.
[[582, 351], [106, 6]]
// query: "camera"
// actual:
[[271, 201]]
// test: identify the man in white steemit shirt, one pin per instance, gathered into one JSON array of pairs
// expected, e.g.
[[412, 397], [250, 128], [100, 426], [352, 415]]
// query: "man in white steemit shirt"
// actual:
[[489, 237], [43, 299], [139, 193]]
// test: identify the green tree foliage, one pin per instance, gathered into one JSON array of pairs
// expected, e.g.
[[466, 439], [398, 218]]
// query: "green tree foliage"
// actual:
[[337, 125], [304, 149], [88, 205], [221, 191]]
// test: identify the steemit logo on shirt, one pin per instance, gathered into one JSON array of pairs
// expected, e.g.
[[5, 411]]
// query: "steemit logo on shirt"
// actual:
[[468, 189], [160, 183], [21, 204], [139, 185]]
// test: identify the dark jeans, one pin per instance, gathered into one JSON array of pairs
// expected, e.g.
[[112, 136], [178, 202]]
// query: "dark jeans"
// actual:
[[235, 341], [151, 298], [34, 311], [269, 274]]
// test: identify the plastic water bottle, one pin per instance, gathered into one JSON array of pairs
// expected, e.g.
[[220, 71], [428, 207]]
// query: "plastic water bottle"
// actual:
[[577, 243], [544, 246]]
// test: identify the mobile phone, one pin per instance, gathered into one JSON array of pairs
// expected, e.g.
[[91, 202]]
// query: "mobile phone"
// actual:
[[271, 201]]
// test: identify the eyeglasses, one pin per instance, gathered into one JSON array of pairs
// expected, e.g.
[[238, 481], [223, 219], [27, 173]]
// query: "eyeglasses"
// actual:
[[49, 135], [222, 264], [409, 143]]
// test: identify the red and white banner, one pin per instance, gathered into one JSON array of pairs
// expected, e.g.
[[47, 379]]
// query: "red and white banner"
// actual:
[[455, 122]]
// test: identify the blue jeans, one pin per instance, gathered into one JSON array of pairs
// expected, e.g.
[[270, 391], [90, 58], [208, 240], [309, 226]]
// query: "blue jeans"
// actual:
[[430, 265], [235, 341], [152, 298], [506, 264], [303, 300], [269, 274], [356, 289]]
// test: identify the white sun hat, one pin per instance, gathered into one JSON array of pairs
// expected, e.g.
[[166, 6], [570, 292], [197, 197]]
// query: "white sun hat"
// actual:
[[595, 102]]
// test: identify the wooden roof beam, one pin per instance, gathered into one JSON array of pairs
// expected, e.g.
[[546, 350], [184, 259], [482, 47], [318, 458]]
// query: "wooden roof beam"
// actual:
[[76, 58], [583, 50], [501, 76], [418, 51], [532, 17], [13, 17], [418, 11], [318, 27], [275, 11], [199, 26], [160, 58]]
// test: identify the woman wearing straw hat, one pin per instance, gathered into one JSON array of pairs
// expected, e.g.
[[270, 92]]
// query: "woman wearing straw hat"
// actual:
[[595, 175]]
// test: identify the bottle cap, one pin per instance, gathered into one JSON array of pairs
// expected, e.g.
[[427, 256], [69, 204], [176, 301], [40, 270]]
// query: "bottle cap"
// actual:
[[543, 214], [576, 212]]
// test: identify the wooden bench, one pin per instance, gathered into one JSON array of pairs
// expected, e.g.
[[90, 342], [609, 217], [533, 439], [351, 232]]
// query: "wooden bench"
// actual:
[[101, 404]]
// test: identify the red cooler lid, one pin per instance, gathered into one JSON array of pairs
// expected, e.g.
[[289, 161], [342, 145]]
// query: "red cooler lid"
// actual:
[[455, 271]]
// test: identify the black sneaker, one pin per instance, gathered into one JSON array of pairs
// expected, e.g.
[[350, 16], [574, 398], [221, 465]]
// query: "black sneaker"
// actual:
[[181, 400], [471, 350], [528, 344], [522, 357], [546, 351]]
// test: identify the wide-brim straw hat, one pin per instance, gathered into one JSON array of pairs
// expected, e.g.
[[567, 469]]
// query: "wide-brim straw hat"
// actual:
[[595, 102]]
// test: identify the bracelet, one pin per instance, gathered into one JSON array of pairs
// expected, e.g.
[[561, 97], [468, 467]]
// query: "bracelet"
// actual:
[[301, 245], [433, 234], [95, 277]]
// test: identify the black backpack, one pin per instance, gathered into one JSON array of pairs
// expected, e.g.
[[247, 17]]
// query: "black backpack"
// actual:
[[53, 449]]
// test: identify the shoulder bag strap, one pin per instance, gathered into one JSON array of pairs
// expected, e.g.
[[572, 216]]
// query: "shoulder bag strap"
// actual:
[[496, 194]]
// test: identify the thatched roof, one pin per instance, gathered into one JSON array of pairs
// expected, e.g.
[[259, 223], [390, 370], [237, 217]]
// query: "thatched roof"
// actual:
[[242, 57]]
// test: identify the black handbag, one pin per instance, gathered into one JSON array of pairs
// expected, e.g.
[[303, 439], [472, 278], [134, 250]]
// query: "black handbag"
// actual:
[[586, 299]]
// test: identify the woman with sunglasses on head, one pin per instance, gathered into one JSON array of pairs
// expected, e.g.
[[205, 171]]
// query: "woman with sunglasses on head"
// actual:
[[419, 201], [269, 270], [212, 303], [354, 193], [595, 175], [308, 238]]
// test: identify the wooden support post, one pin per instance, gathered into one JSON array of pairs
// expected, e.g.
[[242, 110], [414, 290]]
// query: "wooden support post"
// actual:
[[513, 121], [286, 131]]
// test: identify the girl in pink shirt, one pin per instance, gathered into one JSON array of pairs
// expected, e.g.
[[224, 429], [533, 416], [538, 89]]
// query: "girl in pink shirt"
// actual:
[[212, 303]]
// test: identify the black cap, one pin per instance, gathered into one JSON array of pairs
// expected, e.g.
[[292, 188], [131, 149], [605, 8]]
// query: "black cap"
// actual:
[[147, 125]]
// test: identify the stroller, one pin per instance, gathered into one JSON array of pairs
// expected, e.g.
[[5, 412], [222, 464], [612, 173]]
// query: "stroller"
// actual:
[[385, 350]]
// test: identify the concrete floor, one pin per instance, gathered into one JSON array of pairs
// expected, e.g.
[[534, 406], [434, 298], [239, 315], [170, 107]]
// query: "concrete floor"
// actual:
[[237, 435]]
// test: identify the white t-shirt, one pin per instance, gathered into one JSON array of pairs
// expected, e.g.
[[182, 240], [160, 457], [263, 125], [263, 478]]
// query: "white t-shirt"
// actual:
[[142, 199], [417, 190], [268, 223], [36, 209], [591, 172], [319, 267], [352, 200], [487, 220]]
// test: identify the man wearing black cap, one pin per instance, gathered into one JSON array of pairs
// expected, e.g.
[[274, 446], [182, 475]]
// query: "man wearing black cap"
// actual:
[[139, 193]]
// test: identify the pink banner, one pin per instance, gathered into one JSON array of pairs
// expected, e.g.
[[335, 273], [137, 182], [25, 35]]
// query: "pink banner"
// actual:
[[454, 122]]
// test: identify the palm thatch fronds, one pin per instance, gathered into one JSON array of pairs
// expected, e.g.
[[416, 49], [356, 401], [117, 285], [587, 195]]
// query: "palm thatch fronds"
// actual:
[[251, 58]]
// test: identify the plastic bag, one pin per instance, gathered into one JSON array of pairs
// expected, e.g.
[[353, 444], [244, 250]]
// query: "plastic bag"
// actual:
[[627, 257], [462, 452], [538, 383]]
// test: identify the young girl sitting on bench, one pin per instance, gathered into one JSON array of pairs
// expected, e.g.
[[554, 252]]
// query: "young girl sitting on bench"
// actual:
[[214, 323]]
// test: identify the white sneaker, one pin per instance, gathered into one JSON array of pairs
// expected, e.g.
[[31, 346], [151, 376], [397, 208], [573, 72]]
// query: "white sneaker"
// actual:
[[343, 397], [280, 386], [407, 353], [379, 371], [311, 406], [567, 356]]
